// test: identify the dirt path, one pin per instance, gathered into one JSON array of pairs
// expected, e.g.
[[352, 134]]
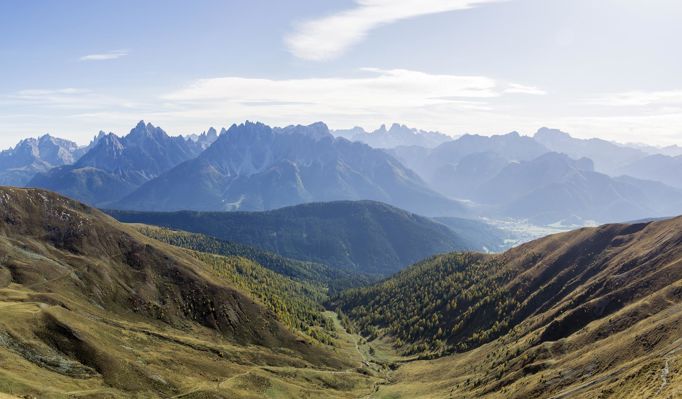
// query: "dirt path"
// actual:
[[665, 372], [574, 390], [381, 369], [235, 376]]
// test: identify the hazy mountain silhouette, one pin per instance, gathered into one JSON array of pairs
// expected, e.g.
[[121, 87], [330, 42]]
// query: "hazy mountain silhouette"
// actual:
[[397, 135], [115, 166], [255, 167]]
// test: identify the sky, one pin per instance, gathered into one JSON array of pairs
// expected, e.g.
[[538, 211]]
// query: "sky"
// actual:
[[605, 68]]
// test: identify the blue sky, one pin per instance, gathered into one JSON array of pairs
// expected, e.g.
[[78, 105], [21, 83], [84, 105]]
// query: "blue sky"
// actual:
[[606, 68]]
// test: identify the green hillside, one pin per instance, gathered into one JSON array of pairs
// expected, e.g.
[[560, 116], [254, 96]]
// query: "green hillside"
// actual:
[[92, 308], [592, 313], [332, 279], [361, 236]]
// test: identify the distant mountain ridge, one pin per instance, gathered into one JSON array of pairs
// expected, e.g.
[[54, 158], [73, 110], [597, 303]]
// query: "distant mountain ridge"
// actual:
[[255, 167], [396, 136], [115, 166], [205, 139], [662, 168], [441, 159], [607, 156], [522, 177], [30, 156], [555, 188]]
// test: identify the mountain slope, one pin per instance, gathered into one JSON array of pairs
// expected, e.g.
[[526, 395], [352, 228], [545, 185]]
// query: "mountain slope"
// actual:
[[364, 236], [465, 177], [554, 188], [588, 312], [479, 235], [331, 279], [660, 168], [92, 307], [115, 166], [255, 167], [18, 165]]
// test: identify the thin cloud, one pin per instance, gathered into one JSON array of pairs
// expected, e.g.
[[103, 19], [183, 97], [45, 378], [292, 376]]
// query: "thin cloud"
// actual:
[[376, 88], [111, 55], [639, 98], [329, 37], [65, 98], [366, 97], [516, 88]]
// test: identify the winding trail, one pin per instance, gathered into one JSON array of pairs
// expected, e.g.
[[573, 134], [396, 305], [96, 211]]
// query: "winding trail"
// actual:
[[665, 371], [235, 376]]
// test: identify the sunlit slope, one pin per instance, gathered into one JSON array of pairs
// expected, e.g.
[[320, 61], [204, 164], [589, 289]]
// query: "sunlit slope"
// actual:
[[581, 314], [92, 308]]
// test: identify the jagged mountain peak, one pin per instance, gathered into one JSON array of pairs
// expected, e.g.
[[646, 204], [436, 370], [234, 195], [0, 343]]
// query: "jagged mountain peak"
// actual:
[[256, 167], [398, 135], [147, 131], [114, 166], [317, 130]]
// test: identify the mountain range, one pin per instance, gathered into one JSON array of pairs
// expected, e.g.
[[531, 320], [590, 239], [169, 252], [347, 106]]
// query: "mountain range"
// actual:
[[608, 157], [116, 166], [395, 136], [522, 177], [555, 188], [30, 156], [255, 167], [443, 160]]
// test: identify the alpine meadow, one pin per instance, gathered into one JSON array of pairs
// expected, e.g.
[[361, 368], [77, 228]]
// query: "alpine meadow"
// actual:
[[348, 199]]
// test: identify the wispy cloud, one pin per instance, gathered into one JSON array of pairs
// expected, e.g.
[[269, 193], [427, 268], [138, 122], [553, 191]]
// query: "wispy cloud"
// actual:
[[66, 98], [110, 55], [367, 98], [330, 36], [372, 90], [639, 98], [516, 88]]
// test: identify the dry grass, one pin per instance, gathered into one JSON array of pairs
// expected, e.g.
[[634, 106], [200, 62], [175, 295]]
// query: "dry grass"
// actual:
[[91, 308], [616, 333]]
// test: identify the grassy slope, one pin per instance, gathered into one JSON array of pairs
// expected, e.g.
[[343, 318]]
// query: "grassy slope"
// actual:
[[92, 308], [591, 313]]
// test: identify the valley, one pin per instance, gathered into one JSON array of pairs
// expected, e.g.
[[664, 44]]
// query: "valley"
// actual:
[[90, 307], [348, 199], [590, 313]]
